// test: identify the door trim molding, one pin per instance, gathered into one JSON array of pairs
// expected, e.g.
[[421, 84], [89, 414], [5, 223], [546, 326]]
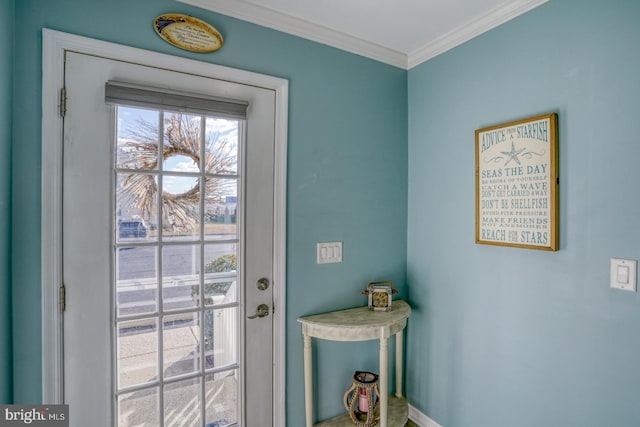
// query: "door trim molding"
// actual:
[[55, 44]]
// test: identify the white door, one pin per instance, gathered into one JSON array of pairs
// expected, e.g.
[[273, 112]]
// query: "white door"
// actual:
[[167, 231]]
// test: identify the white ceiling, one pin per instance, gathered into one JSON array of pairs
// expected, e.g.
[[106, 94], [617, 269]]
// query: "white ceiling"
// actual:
[[403, 33]]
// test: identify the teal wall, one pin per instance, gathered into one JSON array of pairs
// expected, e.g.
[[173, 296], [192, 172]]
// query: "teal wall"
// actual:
[[347, 173], [507, 337], [499, 337], [6, 97]]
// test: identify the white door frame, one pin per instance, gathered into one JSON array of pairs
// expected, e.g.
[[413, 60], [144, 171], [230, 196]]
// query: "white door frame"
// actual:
[[55, 44]]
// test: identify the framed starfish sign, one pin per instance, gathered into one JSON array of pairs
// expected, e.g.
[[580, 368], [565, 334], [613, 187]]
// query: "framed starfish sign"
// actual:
[[517, 184]]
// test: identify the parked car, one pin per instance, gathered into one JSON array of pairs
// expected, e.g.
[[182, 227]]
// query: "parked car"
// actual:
[[132, 228]]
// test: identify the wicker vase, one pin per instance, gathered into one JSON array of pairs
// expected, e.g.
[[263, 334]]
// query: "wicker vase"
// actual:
[[361, 399]]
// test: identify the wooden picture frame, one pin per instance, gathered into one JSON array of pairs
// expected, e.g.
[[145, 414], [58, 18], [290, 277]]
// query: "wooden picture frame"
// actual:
[[517, 183]]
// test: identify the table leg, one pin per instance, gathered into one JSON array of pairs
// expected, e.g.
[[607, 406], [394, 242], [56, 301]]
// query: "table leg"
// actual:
[[384, 381], [399, 364], [308, 381]]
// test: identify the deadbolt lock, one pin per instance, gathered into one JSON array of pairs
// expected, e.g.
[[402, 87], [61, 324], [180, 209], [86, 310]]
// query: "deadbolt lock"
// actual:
[[263, 284]]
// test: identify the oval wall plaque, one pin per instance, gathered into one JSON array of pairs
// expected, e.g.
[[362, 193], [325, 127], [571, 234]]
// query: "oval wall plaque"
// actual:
[[187, 32]]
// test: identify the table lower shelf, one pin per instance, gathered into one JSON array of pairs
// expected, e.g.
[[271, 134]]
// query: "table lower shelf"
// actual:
[[398, 415]]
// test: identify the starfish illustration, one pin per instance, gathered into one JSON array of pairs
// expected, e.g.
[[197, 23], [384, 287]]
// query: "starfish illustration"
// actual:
[[513, 154]]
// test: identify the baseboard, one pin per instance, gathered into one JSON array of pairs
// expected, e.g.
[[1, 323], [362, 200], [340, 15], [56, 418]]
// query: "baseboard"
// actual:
[[420, 419]]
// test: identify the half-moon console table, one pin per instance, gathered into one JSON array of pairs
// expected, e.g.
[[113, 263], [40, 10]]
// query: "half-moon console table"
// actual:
[[360, 324]]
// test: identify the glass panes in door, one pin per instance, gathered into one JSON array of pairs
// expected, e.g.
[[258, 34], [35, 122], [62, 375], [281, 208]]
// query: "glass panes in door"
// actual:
[[176, 275]]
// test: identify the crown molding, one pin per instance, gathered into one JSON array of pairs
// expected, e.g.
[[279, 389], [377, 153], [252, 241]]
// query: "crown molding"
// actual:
[[269, 18], [473, 28], [305, 29]]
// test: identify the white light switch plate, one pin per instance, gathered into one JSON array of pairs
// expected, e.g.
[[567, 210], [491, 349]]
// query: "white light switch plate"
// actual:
[[623, 274], [329, 252]]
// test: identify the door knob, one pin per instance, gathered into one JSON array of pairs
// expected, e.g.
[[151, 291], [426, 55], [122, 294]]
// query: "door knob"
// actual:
[[261, 311]]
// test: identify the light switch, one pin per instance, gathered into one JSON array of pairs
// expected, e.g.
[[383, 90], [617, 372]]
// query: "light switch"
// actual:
[[329, 252], [623, 274]]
